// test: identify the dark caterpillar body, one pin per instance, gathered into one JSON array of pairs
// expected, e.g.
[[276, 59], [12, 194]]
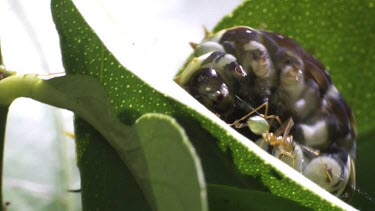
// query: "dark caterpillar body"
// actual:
[[237, 69]]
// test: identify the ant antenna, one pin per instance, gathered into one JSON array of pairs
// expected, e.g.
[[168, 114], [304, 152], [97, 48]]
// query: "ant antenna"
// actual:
[[237, 123]]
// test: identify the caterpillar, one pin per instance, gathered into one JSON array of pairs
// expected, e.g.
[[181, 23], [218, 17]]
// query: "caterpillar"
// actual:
[[238, 69]]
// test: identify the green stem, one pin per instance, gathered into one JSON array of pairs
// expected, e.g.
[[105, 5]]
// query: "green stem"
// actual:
[[1, 58], [81, 94], [3, 118]]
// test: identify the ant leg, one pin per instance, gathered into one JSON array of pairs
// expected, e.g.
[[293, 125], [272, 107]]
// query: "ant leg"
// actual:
[[261, 144], [272, 117], [310, 150], [265, 137], [289, 154], [237, 122], [285, 128], [328, 172], [265, 109], [288, 128], [283, 152], [285, 147]]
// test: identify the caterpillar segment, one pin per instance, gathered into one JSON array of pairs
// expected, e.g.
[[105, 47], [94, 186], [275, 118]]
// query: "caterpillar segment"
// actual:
[[254, 79]]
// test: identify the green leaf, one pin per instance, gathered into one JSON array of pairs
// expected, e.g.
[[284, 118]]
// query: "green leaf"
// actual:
[[175, 172], [230, 198], [241, 163], [86, 97], [84, 53], [171, 180]]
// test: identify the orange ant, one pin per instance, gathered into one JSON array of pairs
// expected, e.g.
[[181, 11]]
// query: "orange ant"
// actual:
[[238, 124], [259, 125]]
